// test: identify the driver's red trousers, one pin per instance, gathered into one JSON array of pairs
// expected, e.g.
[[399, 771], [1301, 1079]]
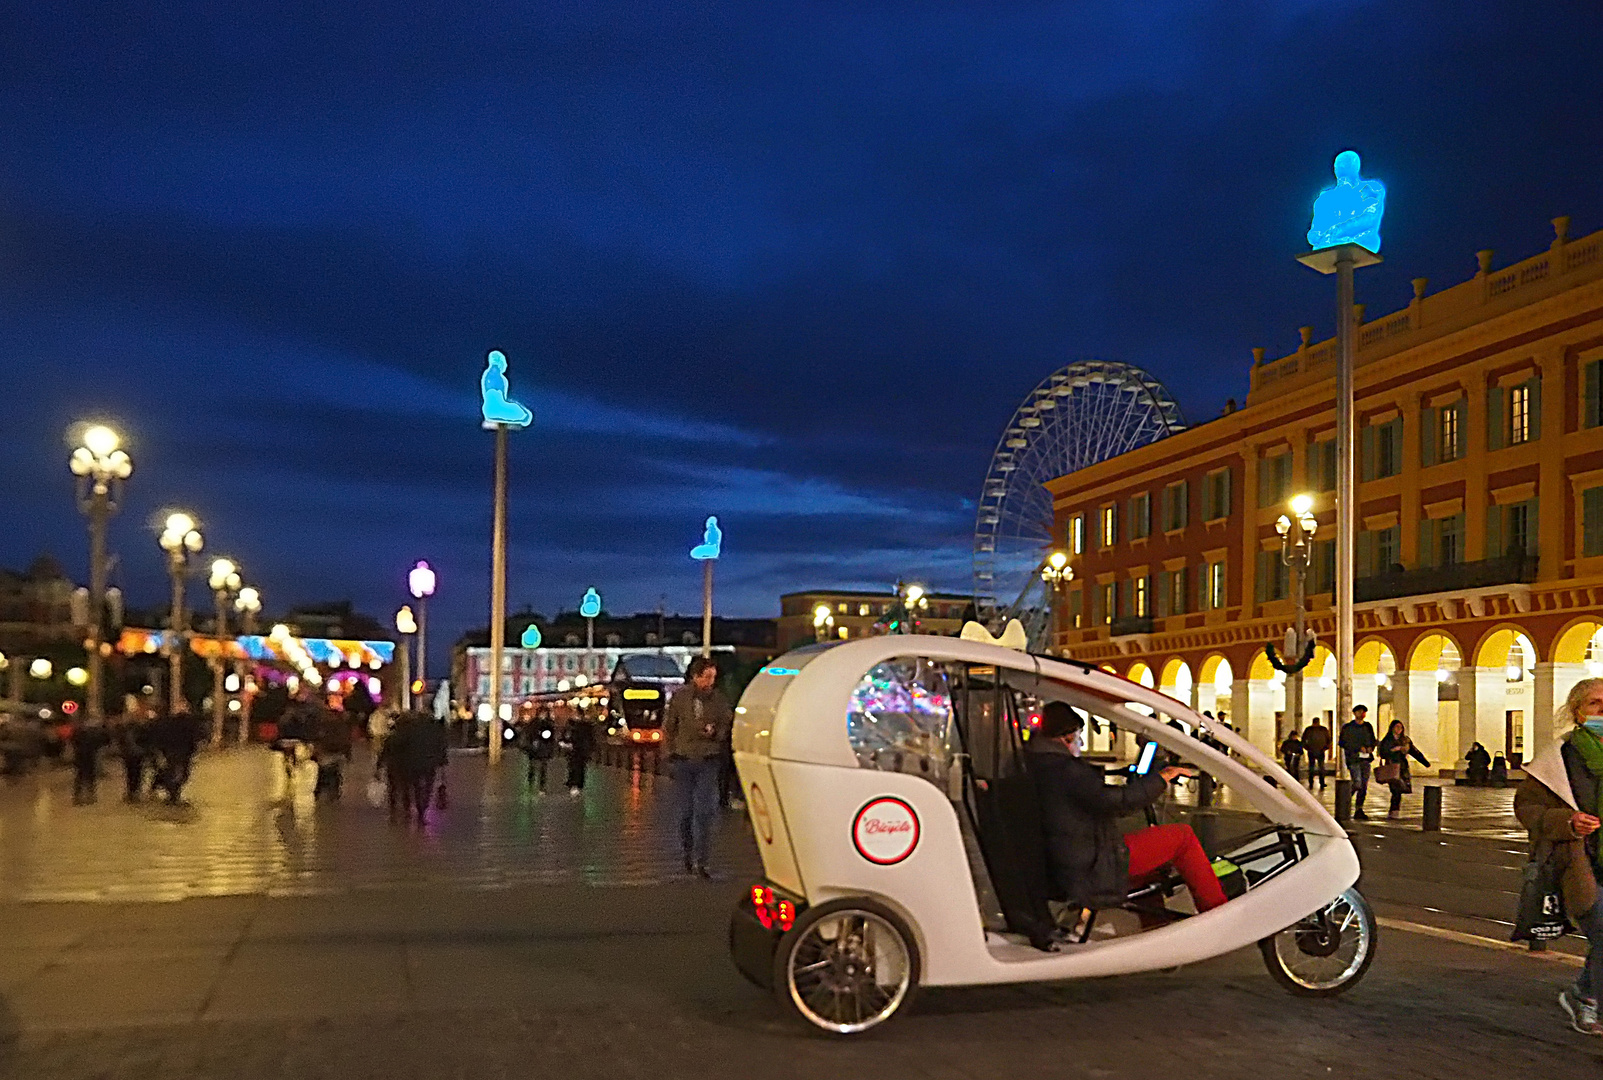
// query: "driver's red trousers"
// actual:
[[1158, 846]]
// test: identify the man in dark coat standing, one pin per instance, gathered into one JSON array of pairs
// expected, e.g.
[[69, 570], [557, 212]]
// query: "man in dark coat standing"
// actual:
[[1316, 744], [697, 727], [1357, 741], [1089, 863]]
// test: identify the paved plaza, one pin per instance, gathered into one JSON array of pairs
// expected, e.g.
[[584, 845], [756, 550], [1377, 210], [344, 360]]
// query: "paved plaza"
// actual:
[[255, 935]]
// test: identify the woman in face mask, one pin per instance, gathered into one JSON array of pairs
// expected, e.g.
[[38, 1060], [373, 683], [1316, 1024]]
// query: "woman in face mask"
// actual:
[[1090, 863], [1558, 805]]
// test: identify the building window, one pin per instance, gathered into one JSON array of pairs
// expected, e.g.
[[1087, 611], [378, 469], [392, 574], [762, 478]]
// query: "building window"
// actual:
[[1450, 445], [845, 632], [1379, 551], [1322, 567], [1216, 586], [1140, 516], [1383, 449], [1519, 414], [1176, 503], [841, 607], [1522, 528], [1076, 603], [1274, 480], [862, 609], [1272, 576], [1109, 600], [1322, 465], [1592, 522], [1077, 534], [1592, 400], [1108, 526], [1216, 496], [1139, 589], [1172, 593], [1450, 541]]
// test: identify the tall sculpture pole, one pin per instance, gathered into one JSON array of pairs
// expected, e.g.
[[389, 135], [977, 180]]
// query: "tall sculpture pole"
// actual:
[[501, 414], [1345, 235], [706, 553]]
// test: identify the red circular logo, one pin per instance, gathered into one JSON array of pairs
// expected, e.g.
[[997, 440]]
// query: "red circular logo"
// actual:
[[885, 831], [759, 814]]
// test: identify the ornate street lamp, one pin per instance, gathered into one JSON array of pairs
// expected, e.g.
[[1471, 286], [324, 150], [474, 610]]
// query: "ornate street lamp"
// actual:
[[407, 625], [1296, 551], [1055, 571], [224, 582], [180, 538], [421, 582], [249, 604], [823, 622], [101, 467]]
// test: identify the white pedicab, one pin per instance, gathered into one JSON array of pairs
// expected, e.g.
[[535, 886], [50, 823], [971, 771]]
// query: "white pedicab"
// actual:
[[886, 785]]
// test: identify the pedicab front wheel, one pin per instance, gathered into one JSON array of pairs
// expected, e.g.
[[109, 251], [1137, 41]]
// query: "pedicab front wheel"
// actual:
[[846, 966], [1327, 952]]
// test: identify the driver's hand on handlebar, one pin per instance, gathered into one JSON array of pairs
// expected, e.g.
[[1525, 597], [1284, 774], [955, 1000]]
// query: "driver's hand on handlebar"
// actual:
[[1583, 824], [1171, 771]]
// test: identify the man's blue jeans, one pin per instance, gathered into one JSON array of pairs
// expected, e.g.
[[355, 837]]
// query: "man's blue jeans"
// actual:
[[1358, 769], [695, 782]]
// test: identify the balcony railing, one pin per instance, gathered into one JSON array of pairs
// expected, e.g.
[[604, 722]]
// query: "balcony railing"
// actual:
[[1130, 624], [1508, 570]]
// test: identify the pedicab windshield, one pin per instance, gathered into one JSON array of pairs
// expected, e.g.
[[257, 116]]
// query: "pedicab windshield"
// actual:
[[900, 718]]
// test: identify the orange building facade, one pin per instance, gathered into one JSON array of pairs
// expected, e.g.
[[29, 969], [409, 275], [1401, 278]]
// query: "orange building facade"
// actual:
[[1479, 589]]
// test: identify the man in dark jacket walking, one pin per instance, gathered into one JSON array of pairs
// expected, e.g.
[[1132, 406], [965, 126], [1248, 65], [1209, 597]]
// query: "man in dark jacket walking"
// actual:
[[87, 741], [175, 737], [696, 726], [1088, 862], [1316, 744], [1357, 741]]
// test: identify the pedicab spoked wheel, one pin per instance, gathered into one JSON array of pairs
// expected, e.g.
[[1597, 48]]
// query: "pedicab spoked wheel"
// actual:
[[846, 966], [1327, 952]]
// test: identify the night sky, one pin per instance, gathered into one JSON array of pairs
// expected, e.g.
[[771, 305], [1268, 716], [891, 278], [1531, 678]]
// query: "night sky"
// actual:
[[792, 264]]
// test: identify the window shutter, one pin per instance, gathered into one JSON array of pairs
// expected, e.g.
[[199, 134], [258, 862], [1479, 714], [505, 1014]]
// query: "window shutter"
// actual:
[[1428, 531], [1496, 422], [1265, 482], [1494, 532], [1365, 559], [1592, 414], [1182, 494], [1261, 591], [1224, 493], [1367, 453], [1532, 526], [1178, 592], [1536, 406], [1592, 522], [1126, 601], [1163, 595], [1430, 437]]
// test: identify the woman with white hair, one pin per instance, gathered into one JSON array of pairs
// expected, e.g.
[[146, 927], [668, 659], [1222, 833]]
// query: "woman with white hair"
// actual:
[[1558, 804]]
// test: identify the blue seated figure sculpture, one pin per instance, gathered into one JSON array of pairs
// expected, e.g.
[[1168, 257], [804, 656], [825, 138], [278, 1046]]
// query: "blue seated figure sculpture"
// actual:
[[590, 606], [1349, 212], [494, 390], [712, 542]]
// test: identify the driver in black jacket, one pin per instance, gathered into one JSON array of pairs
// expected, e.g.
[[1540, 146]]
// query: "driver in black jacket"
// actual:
[[1089, 863]]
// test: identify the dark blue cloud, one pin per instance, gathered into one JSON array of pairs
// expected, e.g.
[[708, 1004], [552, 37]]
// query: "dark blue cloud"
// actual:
[[793, 264]]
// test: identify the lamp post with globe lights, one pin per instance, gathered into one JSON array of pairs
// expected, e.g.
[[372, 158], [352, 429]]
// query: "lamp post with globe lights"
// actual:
[[823, 622], [224, 582], [1296, 551], [180, 538], [914, 600], [101, 466], [421, 582], [249, 604], [1055, 571], [407, 625]]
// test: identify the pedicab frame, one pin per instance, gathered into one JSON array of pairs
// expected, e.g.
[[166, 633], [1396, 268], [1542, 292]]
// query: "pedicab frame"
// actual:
[[807, 791]]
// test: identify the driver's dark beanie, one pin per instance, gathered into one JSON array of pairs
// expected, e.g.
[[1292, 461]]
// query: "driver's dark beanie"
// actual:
[[1058, 720]]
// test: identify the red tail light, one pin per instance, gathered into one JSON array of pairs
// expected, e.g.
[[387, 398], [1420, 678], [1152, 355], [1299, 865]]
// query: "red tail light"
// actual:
[[772, 911]]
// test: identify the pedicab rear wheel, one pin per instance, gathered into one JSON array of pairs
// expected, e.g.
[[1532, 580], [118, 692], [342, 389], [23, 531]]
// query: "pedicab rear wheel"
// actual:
[[1328, 951], [846, 966]]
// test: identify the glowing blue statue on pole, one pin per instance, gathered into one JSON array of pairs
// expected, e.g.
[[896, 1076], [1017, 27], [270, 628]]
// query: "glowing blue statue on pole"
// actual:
[[494, 390], [712, 542], [590, 605], [1349, 212]]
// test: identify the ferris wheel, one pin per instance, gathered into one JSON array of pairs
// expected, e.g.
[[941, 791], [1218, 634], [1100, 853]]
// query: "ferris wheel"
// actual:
[[1087, 412]]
